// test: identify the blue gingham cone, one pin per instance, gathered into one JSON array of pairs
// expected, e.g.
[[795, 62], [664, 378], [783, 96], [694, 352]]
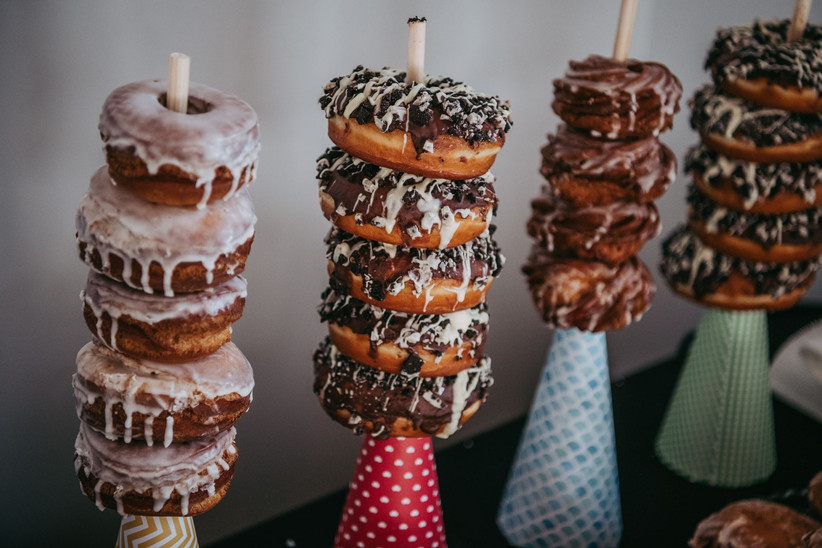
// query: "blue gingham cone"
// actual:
[[563, 488]]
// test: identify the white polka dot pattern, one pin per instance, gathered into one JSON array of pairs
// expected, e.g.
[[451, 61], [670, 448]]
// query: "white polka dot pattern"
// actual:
[[393, 499]]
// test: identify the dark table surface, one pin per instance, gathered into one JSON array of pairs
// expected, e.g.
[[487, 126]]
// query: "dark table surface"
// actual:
[[659, 508]]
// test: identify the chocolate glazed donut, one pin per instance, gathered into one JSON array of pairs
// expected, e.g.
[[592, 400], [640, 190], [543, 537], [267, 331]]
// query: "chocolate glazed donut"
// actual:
[[587, 171], [398, 208], [611, 233], [617, 100], [588, 295]]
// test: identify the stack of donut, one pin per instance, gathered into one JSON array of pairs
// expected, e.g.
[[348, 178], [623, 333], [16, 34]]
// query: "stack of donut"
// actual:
[[410, 253], [166, 227], [604, 168], [753, 236]]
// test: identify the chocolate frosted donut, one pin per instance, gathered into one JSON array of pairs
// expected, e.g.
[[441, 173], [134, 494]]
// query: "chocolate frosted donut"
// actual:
[[183, 479], [588, 295], [133, 399], [759, 64], [815, 493], [418, 281], [163, 248], [438, 128], [170, 329], [703, 274], [414, 344], [763, 188], [384, 405], [401, 208], [173, 158], [753, 523], [588, 171], [736, 128], [812, 539], [767, 238], [617, 100], [610, 233]]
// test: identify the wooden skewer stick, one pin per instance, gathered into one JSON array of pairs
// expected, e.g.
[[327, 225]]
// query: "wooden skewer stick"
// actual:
[[415, 71], [622, 44], [799, 20], [178, 73]]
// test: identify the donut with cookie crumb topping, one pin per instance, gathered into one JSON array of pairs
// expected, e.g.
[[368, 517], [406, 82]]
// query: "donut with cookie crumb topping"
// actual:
[[439, 128]]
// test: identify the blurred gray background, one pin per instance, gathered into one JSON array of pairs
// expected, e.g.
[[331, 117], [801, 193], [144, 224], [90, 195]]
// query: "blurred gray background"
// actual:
[[59, 60]]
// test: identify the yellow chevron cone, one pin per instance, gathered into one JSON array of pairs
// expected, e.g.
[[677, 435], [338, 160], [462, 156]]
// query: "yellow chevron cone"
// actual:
[[157, 532]]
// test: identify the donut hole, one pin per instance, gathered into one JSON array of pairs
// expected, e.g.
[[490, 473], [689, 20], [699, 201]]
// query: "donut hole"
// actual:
[[195, 104]]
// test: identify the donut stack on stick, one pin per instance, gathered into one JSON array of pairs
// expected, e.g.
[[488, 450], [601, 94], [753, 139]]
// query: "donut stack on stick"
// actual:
[[410, 254], [604, 167], [753, 236], [166, 227]]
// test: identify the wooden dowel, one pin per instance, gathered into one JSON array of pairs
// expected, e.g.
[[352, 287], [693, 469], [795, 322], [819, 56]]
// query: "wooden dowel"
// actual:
[[799, 20], [415, 68], [178, 74], [625, 27]]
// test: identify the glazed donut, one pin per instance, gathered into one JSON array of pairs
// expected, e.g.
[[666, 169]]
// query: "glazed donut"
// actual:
[[382, 404], [761, 188], [177, 159], [742, 130], [757, 63], [163, 248], [132, 399], [183, 479], [587, 171], [428, 345], [611, 233], [707, 276], [617, 100], [588, 295], [388, 206], [440, 128], [185, 327], [765, 238], [406, 279], [753, 523]]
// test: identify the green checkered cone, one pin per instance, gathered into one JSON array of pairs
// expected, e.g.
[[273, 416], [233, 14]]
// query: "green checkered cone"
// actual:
[[563, 488], [719, 425]]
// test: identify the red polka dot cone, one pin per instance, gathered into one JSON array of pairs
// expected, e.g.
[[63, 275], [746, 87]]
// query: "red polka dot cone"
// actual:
[[393, 498]]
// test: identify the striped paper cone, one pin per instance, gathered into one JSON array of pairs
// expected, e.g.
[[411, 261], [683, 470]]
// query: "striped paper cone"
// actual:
[[563, 488], [156, 532], [718, 428], [393, 498]]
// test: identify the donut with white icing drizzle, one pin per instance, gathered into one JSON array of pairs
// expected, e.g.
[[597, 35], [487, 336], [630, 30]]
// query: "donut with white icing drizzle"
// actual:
[[183, 479], [617, 100], [398, 208], [738, 129], [438, 128], [160, 403], [759, 64], [709, 277], [161, 248], [175, 158], [761, 188], [418, 281], [588, 295], [611, 233], [368, 400], [428, 345], [588, 171], [784, 238], [184, 327]]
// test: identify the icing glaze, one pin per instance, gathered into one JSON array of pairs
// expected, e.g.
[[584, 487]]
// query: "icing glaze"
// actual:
[[111, 220], [182, 468], [218, 130], [388, 198], [152, 388]]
